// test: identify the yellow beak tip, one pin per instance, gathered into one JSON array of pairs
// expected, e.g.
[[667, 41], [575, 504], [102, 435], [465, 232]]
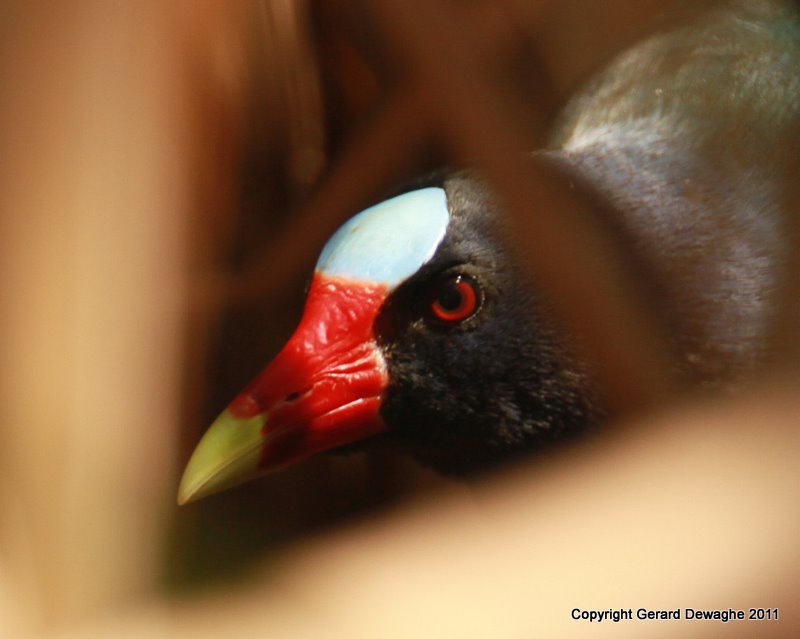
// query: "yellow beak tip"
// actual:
[[186, 495], [227, 455]]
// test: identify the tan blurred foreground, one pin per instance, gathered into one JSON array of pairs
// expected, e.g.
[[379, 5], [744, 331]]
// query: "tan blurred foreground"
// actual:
[[111, 157], [697, 508]]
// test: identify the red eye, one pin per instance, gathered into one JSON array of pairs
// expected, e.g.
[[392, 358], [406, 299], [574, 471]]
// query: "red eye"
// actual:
[[455, 299]]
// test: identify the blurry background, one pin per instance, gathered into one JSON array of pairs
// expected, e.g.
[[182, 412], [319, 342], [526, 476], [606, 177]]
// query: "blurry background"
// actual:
[[168, 173]]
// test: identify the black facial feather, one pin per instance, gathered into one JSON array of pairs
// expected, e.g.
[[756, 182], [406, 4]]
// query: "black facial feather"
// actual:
[[462, 397]]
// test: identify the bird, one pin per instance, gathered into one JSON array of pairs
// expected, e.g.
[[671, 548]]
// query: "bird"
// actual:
[[421, 326]]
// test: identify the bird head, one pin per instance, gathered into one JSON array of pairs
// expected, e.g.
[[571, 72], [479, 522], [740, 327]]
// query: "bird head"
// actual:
[[419, 325]]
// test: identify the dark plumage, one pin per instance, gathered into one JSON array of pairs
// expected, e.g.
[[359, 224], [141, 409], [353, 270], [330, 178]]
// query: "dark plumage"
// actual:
[[690, 137]]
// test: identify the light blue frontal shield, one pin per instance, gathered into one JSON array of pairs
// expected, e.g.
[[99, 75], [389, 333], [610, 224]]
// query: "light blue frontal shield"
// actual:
[[388, 242]]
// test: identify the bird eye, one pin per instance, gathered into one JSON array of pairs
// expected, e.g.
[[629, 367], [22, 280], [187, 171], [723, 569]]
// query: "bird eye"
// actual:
[[456, 298]]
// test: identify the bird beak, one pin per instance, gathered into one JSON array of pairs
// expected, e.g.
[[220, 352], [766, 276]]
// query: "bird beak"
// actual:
[[323, 390]]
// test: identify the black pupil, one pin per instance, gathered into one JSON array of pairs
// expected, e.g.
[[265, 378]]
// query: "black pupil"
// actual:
[[450, 296]]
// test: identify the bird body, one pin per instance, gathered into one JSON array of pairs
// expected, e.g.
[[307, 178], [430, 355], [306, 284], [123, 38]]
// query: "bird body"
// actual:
[[691, 135], [420, 325]]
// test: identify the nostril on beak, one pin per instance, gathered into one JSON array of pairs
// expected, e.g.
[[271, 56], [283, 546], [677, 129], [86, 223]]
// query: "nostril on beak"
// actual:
[[293, 397]]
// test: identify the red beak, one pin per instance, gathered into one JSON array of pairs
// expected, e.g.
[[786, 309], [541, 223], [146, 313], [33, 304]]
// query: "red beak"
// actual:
[[323, 390]]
